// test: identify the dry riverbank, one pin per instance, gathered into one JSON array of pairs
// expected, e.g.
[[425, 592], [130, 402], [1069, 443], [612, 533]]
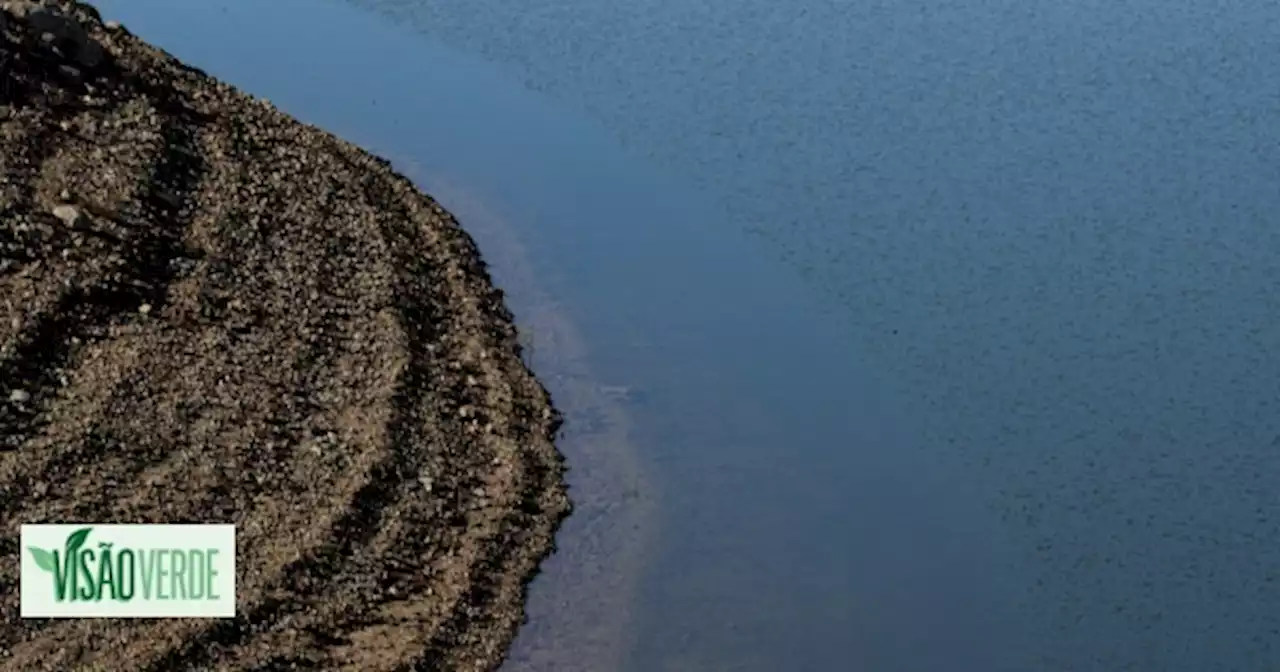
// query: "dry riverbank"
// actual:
[[210, 312]]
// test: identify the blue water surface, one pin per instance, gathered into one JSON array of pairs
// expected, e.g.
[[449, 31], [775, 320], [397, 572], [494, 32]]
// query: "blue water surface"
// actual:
[[1053, 223]]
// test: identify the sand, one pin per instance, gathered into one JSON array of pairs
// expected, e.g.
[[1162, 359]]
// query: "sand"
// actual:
[[210, 312]]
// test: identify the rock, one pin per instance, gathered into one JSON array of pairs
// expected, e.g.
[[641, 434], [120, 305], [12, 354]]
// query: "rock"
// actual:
[[112, 25], [17, 8], [145, 309], [171, 199], [67, 34], [49, 21], [69, 214], [19, 396], [90, 54]]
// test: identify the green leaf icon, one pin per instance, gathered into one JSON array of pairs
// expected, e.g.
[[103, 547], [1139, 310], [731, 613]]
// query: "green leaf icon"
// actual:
[[76, 540], [44, 559]]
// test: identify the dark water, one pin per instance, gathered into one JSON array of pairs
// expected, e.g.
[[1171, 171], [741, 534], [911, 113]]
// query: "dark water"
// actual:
[[1054, 224], [1022, 355]]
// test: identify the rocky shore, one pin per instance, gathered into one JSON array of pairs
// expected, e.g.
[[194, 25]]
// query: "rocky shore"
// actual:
[[210, 312]]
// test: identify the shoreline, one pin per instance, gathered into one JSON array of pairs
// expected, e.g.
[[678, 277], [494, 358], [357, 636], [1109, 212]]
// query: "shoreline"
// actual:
[[583, 608], [225, 315]]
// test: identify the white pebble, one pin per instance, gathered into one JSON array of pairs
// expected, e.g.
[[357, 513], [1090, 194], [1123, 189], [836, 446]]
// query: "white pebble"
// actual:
[[69, 214]]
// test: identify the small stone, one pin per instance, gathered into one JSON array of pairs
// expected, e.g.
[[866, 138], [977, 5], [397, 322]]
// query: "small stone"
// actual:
[[425, 480], [69, 214], [145, 309], [169, 197], [112, 25], [65, 196], [19, 396], [17, 8]]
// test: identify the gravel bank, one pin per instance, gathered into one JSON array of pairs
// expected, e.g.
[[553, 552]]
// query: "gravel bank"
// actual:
[[210, 312]]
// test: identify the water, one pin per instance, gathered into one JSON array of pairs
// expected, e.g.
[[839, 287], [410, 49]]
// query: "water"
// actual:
[[1054, 223], [1032, 275]]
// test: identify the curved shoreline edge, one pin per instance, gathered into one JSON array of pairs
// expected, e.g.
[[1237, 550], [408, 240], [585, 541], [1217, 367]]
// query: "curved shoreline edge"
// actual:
[[583, 611], [215, 313]]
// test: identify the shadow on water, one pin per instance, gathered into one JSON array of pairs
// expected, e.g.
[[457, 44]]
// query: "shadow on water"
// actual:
[[747, 498]]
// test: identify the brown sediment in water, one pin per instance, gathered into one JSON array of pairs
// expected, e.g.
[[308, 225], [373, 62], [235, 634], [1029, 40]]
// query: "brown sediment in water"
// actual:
[[210, 312]]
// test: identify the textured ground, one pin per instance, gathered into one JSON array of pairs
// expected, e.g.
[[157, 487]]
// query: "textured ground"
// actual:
[[210, 312]]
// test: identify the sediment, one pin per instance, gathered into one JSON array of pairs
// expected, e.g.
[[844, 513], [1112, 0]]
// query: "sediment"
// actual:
[[211, 312]]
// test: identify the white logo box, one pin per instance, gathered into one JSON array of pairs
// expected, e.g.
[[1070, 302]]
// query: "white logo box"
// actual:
[[128, 571]]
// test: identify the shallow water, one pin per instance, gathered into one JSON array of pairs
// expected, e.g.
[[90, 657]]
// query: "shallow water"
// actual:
[[751, 496]]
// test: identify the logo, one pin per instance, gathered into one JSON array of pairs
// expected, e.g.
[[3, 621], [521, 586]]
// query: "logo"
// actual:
[[124, 571]]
